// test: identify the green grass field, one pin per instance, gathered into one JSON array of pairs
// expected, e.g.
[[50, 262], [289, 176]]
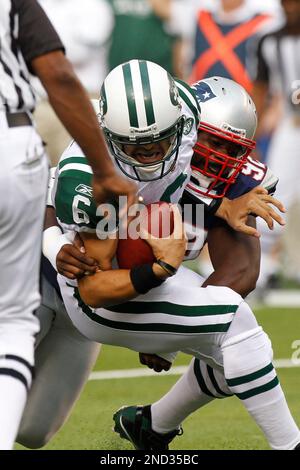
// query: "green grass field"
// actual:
[[223, 424]]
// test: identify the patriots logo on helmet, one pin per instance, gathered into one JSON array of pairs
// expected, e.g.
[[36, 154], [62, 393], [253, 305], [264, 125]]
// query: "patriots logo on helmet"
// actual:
[[203, 91]]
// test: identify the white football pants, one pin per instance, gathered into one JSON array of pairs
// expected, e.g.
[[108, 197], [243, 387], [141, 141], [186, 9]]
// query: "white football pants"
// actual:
[[23, 185]]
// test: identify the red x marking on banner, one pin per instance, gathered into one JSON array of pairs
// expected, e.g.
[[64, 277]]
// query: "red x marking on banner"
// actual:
[[222, 48]]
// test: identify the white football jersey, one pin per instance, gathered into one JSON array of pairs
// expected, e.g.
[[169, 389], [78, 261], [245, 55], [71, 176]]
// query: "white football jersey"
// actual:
[[71, 192]]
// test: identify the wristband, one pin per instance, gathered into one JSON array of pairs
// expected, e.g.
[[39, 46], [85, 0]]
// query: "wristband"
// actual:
[[167, 267], [53, 240], [143, 278]]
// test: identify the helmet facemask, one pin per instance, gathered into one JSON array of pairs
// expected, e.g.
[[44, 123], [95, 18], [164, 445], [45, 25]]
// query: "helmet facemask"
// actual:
[[167, 144], [213, 170]]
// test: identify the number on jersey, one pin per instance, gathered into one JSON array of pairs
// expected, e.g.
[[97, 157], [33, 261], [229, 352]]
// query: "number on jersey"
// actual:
[[254, 169]]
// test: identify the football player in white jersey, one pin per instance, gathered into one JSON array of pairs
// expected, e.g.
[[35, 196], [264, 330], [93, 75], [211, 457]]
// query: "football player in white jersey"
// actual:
[[78, 212], [177, 112]]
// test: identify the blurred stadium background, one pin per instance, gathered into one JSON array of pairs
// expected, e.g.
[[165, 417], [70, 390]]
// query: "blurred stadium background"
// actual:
[[98, 36]]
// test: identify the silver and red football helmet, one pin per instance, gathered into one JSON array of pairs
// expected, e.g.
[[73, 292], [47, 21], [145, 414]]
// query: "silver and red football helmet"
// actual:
[[225, 135]]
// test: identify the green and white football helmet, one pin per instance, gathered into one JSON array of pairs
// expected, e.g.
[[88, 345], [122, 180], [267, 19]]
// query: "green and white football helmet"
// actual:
[[139, 106]]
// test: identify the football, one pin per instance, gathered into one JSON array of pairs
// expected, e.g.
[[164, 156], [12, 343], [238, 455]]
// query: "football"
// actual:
[[158, 219]]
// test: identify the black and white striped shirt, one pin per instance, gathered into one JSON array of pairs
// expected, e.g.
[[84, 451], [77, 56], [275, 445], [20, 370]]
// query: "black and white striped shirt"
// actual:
[[278, 63], [25, 34]]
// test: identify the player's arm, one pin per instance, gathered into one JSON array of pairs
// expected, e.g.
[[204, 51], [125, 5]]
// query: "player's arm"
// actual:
[[66, 256], [235, 258], [73, 107], [256, 202], [107, 286], [113, 286]]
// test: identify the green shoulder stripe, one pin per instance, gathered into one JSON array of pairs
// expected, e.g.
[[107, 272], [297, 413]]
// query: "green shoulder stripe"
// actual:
[[73, 199], [189, 90], [75, 159], [187, 94]]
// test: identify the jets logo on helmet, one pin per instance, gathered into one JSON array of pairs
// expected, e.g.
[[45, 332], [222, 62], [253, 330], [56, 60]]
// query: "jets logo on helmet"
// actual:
[[188, 126], [174, 93], [141, 118]]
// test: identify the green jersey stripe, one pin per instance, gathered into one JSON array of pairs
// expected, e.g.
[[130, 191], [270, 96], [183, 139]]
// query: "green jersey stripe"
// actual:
[[133, 118], [75, 159], [161, 327], [258, 390], [250, 377], [213, 379], [178, 183], [173, 309], [190, 106], [189, 91], [147, 92], [200, 379], [194, 107]]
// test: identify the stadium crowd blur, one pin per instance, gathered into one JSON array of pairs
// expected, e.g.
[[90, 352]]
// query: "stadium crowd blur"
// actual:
[[194, 39]]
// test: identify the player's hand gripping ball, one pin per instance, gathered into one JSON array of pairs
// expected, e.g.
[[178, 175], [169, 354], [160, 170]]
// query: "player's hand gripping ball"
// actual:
[[157, 219]]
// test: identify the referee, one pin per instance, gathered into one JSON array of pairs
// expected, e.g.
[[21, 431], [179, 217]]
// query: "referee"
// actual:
[[28, 42], [278, 73]]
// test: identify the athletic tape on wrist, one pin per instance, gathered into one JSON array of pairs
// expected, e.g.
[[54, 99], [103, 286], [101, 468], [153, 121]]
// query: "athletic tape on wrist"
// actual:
[[53, 240]]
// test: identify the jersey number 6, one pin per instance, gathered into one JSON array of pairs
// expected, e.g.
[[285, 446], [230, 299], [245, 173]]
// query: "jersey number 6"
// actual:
[[79, 215]]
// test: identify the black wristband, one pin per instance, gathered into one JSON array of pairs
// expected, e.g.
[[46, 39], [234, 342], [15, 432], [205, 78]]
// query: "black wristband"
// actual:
[[143, 278], [167, 267], [212, 208]]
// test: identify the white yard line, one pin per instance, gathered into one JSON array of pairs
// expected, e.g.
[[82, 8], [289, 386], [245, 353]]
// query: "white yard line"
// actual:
[[133, 373]]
